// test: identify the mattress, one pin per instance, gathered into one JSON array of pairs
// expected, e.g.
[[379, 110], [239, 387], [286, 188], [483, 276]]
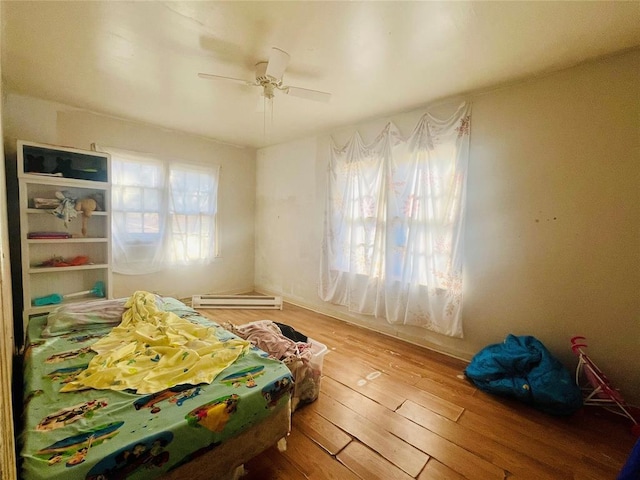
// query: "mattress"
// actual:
[[107, 434]]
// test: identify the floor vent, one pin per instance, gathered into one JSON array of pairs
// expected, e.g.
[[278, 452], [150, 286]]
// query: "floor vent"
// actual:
[[261, 302]]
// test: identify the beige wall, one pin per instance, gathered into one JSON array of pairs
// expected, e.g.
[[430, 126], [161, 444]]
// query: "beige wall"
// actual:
[[552, 234], [40, 121]]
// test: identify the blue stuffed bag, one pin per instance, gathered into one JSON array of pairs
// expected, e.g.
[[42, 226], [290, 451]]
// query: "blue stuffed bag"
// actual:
[[521, 367]]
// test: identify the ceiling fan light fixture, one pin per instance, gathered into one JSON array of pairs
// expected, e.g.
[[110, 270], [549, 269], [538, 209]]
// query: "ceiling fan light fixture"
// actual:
[[268, 89], [269, 75]]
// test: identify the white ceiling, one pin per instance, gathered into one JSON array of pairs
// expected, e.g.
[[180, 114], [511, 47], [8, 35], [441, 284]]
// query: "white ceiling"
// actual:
[[139, 60]]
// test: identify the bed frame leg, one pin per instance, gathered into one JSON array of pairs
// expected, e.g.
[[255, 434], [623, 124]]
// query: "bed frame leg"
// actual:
[[238, 472], [282, 445]]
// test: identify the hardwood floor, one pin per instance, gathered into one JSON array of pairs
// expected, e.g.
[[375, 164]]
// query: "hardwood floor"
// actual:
[[390, 410]]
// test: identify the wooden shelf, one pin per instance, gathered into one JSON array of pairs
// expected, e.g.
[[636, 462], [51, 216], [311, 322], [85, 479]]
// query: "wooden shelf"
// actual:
[[50, 210], [63, 181], [67, 240], [93, 266]]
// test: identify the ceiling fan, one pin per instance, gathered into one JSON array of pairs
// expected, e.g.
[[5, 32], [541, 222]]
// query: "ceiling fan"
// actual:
[[269, 76]]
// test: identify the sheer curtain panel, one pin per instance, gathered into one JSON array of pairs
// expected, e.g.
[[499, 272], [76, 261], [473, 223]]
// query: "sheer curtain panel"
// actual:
[[163, 212], [394, 224]]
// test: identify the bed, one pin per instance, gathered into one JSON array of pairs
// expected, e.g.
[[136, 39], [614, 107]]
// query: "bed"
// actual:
[[184, 431]]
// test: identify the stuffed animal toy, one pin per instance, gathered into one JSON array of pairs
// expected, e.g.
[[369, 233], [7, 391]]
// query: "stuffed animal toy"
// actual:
[[66, 209], [35, 164], [87, 206], [70, 206]]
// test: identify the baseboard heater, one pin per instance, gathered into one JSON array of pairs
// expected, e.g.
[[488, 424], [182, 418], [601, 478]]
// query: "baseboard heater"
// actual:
[[261, 302]]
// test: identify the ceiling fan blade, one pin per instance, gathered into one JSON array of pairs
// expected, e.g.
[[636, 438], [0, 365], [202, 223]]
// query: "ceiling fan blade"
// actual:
[[314, 95], [278, 61], [209, 76]]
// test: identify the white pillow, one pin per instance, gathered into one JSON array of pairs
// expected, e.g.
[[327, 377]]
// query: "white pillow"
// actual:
[[76, 317]]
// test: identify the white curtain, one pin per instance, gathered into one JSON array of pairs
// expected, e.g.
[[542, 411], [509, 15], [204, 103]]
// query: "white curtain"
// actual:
[[394, 224], [163, 213], [193, 193]]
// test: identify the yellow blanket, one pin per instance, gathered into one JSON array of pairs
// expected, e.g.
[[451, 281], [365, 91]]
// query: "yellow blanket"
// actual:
[[152, 350]]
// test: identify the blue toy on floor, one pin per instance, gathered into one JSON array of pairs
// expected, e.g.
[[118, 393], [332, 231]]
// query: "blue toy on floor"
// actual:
[[521, 367], [631, 469]]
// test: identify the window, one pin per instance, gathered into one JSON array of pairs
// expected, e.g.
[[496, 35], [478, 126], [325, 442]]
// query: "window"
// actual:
[[394, 224], [409, 203], [359, 184], [163, 213], [137, 199], [192, 212]]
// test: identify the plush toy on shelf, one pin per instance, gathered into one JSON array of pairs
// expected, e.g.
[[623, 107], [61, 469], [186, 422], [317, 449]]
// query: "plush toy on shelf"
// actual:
[[66, 210], [87, 206], [70, 206]]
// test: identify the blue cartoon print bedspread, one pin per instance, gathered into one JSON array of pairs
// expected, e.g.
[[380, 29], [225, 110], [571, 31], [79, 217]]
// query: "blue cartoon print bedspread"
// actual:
[[107, 434]]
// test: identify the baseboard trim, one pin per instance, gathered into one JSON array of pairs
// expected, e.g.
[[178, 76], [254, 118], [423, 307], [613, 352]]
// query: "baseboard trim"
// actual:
[[357, 322]]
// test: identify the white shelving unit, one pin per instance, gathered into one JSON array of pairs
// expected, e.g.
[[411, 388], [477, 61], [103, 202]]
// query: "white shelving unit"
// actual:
[[44, 170]]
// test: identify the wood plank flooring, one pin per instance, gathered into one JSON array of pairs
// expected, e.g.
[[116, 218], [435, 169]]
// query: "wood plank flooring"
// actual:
[[391, 410]]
